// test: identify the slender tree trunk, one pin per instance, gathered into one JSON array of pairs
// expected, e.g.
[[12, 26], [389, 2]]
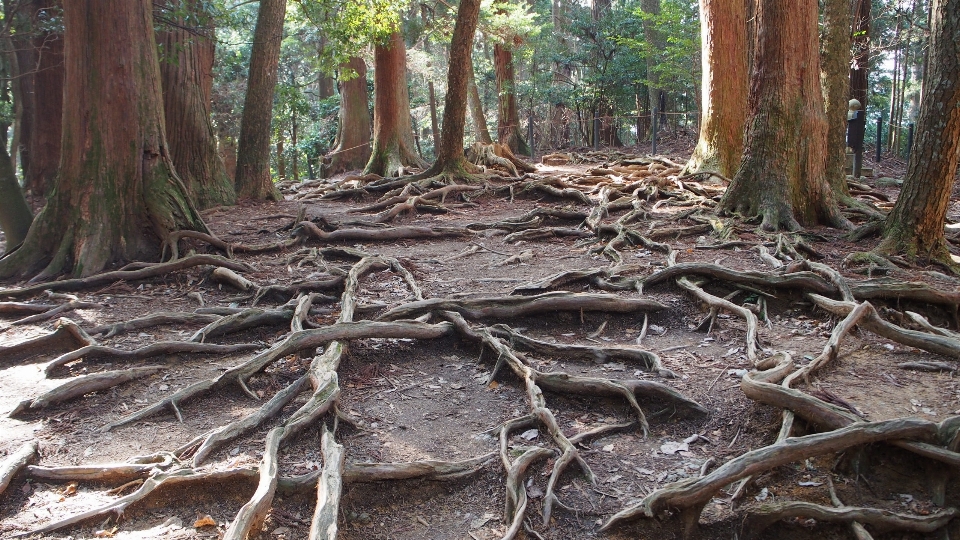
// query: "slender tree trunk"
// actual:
[[451, 160], [281, 162], [393, 145], [352, 147], [781, 176], [508, 117], [476, 112], [253, 154], [15, 215], [861, 52], [117, 195], [654, 37], [295, 158], [44, 144], [723, 31], [915, 226], [24, 98], [835, 59], [186, 71]]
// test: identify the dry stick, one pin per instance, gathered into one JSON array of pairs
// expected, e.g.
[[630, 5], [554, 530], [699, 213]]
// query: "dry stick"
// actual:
[[66, 335], [84, 384], [153, 270], [516, 504], [743, 312], [156, 349], [15, 462], [859, 532], [154, 319], [252, 514], [692, 494], [329, 488], [519, 306], [883, 520]]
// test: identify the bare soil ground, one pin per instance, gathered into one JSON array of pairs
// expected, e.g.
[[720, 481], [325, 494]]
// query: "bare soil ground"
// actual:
[[412, 400]]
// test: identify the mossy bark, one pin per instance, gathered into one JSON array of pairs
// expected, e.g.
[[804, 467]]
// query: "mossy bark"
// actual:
[[117, 195], [253, 153], [781, 176], [186, 71], [914, 228], [393, 145], [352, 147], [835, 59], [508, 116], [476, 111]]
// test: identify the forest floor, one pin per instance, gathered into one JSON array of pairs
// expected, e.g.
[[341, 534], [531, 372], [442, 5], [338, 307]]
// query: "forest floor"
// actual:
[[420, 400]]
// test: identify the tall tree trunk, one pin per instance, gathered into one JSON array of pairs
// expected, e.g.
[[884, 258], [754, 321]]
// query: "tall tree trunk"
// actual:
[[352, 146], [393, 145], [476, 111], [186, 72], [835, 59], [915, 226], [508, 117], [451, 160], [781, 177], [24, 98], [44, 144], [431, 91], [861, 51], [117, 195], [295, 158], [253, 153], [654, 37], [723, 32], [15, 215], [281, 161]]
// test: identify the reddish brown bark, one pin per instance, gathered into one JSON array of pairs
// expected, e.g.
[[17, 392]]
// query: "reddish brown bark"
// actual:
[[186, 71], [915, 226], [117, 194], [352, 147], [781, 177], [44, 143], [393, 145], [253, 153], [723, 32], [481, 131]]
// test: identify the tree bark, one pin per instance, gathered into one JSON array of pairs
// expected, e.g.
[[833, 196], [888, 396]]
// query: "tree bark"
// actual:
[[15, 215], [117, 194], [781, 176], [451, 160], [723, 32], [915, 226], [186, 71], [44, 144], [476, 111], [24, 99], [861, 52], [253, 154], [835, 59], [393, 145], [508, 117], [352, 147], [654, 37]]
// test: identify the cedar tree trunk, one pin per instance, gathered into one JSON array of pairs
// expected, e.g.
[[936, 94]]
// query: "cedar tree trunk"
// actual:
[[781, 176], [44, 143], [253, 152], [24, 98], [352, 147], [836, 89], [476, 112], [861, 51], [450, 159], [186, 71], [393, 145], [117, 195], [723, 33], [654, 37], [15, 215], [508, 118], [915, 226]]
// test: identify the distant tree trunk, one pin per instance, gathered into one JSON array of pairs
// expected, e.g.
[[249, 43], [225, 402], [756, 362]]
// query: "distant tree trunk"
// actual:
[[654, 37], [295, 158], [861, 51], [24, 98], [508, 117], [324, 81], [723, 29], [781, 177], [393, 145], [186, 71], [44, 144], [835, 58], [352, 146], [253, 154], [227, 149], [15, 215], [431, 91], [915, 226], [451, 160], [117, 195], [476, 111], [281, 162]]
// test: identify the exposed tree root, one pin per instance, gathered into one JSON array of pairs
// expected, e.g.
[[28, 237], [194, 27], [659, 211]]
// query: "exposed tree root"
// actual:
[[381, 235], [105, 473], [15, 462], [154, 319], [762, 516], [150, 351], [73, 303], [66, 336], [329, 488], [84, 384], [746, 314], [251, 515]]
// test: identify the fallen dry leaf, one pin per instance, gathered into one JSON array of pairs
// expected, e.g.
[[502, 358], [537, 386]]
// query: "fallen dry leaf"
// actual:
[[205, 521]]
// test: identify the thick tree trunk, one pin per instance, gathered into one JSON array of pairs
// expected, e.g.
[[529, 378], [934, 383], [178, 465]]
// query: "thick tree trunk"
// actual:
[[915, 226], [253, 153], [44, 144], [352, 148], [861, 51], [186, 71], [781, 176], [836, 89], [476, 111], [723, 32], [393, 145], [451, 160], [117, 194], [508, 117]]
